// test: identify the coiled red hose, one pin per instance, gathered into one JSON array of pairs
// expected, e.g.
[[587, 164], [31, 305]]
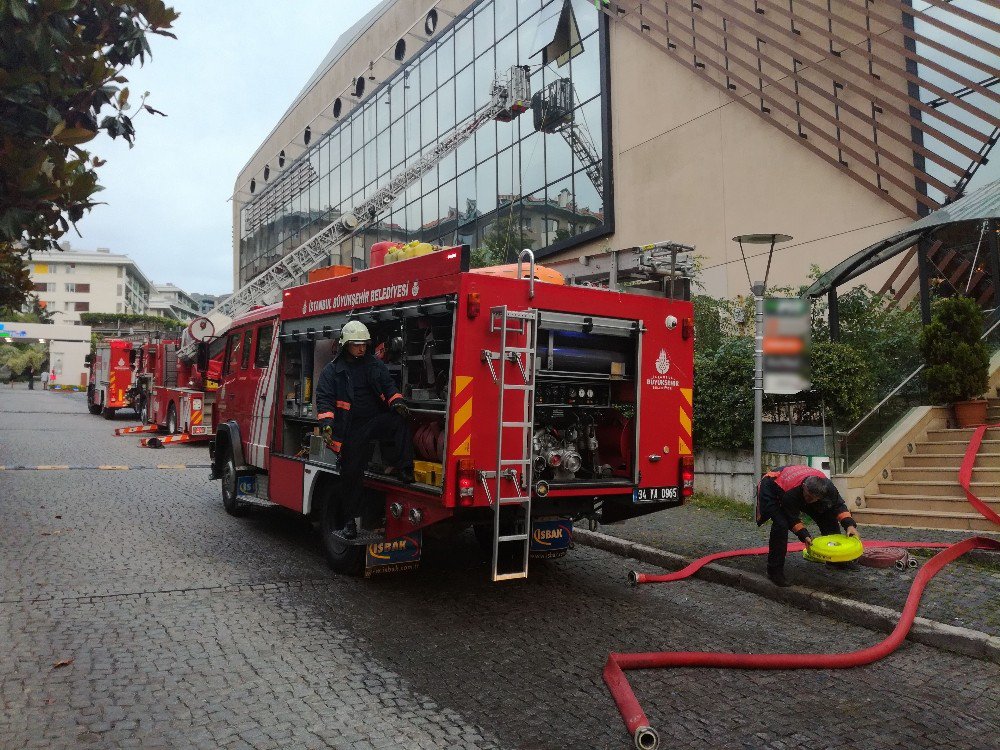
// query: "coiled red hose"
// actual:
[[646, 738]]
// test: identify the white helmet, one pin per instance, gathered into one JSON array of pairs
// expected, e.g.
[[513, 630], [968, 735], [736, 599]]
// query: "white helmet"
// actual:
[[355, 331]]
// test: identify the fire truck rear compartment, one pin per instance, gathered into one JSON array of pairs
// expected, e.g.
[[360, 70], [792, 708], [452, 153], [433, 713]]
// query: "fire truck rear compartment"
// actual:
[[585, 401]]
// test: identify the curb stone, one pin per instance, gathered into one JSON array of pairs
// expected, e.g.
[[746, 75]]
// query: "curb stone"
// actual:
[[964, 641]]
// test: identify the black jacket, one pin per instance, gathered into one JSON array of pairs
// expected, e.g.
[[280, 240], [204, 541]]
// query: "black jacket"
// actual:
[[335, 389], [771, 499]]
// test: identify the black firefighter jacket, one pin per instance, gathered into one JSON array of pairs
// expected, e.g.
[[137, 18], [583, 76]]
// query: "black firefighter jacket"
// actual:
[[335, 389]]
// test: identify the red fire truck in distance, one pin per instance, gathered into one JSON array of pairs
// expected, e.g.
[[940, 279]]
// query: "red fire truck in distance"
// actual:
[[176, 395], [110, 377], [532, 405]]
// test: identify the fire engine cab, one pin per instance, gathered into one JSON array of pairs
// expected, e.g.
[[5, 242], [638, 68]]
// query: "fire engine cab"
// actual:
[[532, 405]]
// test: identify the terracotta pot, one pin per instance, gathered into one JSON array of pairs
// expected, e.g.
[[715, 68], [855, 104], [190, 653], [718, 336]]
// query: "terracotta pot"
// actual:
[[970, 413]]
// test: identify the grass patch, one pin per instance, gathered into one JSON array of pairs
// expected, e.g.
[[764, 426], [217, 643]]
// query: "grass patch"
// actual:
[[723, 506]]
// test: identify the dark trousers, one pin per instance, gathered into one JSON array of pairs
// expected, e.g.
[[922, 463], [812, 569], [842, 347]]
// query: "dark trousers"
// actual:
[[396, 441], [778, 541]]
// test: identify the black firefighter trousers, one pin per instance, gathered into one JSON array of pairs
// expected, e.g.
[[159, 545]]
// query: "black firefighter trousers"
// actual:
[[396, 441]]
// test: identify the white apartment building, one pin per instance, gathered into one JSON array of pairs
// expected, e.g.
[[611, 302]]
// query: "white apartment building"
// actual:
[[71, 282], [169, 301]]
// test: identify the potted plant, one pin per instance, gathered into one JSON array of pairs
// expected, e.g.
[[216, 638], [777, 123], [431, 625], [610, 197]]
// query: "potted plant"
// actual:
[[956, 359]]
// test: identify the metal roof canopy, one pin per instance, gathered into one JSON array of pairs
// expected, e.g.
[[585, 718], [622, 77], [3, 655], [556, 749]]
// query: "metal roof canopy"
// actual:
[[979, 205]]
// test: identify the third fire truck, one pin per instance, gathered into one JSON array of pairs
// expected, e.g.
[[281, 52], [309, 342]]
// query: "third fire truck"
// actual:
[[110, 377]]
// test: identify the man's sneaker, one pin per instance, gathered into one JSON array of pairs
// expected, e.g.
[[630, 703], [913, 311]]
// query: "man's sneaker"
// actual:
[[350, 530], [778, 578]]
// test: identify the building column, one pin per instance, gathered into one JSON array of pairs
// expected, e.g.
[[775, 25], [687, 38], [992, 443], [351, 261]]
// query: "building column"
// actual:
[[833, 313]]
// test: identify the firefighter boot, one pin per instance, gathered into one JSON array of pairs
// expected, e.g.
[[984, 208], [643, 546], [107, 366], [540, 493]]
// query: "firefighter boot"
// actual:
[[777, 576]]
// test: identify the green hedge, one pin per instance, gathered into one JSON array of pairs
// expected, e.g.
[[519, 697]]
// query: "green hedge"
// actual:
[[125, 320]]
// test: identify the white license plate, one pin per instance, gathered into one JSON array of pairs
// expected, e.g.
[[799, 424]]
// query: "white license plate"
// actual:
[[653, 494]]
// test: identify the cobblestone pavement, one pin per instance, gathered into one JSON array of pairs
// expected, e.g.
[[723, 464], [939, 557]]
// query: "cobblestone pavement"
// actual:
[[966, 593], [180, 627]]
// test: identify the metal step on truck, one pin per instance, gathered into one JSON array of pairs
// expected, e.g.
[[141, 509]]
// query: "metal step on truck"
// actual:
[[532, 404]]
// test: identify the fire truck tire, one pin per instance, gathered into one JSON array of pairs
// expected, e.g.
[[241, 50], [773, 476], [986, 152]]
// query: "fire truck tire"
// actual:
[[342, 558], [230, 497], [172, 420], [108, 413], [92, 407]]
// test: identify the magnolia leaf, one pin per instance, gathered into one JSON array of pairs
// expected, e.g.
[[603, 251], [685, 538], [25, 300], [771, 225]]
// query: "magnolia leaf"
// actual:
[[73, 136], [62, 663]]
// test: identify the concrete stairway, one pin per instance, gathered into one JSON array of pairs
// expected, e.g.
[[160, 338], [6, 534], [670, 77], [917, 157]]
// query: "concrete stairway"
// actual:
[[923, 492]]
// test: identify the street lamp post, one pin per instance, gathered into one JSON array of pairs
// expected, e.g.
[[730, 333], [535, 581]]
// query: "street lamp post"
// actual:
[[757, 288]]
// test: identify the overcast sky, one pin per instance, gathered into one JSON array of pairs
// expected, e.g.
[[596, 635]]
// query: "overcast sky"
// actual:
[[224, 82]]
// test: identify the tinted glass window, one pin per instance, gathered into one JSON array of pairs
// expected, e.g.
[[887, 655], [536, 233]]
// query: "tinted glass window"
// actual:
[[546, 165], [234, 347], [264, 336], [245, 347]]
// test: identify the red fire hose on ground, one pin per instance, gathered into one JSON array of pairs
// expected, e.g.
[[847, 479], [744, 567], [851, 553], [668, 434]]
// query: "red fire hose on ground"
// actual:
[[646, 738]]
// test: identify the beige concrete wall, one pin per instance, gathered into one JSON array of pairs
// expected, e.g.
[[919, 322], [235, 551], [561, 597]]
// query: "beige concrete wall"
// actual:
[[693, 165]]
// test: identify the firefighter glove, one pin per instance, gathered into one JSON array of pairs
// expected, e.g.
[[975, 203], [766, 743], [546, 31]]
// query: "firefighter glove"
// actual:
[[401, 409], [327, 433]]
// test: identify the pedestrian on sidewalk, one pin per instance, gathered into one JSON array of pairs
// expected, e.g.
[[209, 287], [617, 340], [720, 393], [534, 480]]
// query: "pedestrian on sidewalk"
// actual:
[[45, 380], [782, 495], [31, 377]]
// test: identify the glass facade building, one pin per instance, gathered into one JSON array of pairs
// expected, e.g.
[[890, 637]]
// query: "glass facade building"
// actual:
[[542, 181]]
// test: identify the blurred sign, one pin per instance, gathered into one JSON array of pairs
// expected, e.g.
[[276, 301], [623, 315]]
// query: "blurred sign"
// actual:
[[786, 345]]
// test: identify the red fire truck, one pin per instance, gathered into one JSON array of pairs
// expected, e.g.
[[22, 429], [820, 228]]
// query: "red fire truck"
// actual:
[[532, 405], [174, 394], [110, 377]]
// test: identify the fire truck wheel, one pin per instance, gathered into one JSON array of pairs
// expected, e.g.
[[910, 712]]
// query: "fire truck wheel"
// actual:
[[230, 499], [172, 420], [108, 413], [342, 557], [92, 407]]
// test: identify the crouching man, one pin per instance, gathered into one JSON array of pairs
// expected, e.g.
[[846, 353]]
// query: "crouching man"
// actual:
[[357, 402], [782, 496]]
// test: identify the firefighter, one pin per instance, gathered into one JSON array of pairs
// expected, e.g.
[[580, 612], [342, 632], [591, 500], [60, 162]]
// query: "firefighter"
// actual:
[[357, 402], [782, 495]]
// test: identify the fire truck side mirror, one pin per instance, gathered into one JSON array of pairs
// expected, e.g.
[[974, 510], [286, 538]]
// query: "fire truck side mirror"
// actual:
[[88, 359], [202, 356]]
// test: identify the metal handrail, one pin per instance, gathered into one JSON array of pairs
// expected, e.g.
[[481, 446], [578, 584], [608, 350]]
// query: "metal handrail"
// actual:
[[899, 387], [530, 255]]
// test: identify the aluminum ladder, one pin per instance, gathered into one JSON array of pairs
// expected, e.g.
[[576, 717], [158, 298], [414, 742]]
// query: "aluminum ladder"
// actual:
[[509, 487]]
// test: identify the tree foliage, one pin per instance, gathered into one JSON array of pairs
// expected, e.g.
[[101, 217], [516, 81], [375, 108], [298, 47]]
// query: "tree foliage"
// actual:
[[723, 396], [16, 358], [957, 360], [501, 243], [61, 83]]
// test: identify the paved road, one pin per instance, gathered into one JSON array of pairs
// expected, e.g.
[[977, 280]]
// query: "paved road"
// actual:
[[188, 628]]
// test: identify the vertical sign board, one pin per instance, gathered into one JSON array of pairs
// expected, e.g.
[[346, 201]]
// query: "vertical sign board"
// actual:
[[786, 345]]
